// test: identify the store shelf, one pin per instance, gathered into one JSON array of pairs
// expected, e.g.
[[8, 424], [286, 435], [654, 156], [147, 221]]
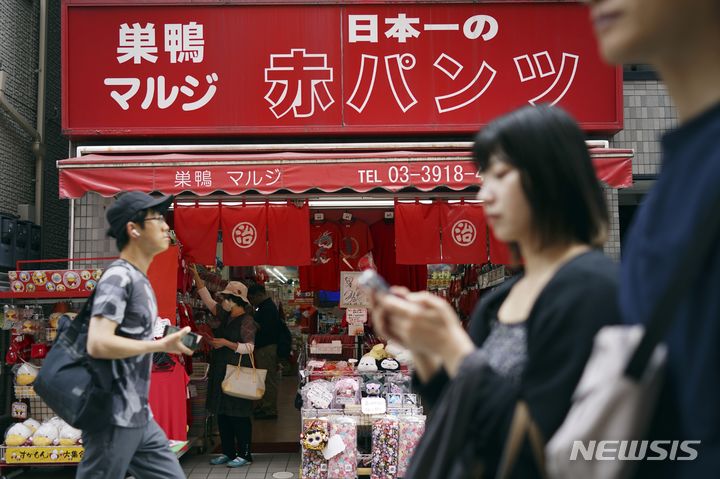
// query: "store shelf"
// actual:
[[45, 296]]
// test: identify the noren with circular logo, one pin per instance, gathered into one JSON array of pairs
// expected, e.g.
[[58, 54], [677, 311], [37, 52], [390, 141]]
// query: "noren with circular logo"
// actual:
[[244, 235]]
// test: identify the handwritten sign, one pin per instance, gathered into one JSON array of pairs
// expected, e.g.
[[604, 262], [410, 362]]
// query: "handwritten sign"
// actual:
[[352, 295], [356, 315], [373, 405]]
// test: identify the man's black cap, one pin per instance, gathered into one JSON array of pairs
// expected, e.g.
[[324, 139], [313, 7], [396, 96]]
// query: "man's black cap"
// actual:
[[128, 204]]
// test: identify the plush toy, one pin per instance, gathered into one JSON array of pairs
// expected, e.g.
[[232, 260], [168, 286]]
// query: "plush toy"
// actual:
[[367, 364], [315, 438], [389, 364], [46, 435], [53, 320], [346, 392], [17, 435], [69, 436], [373, 388], [26, 374], [378, 352], [402, 355], [32, 424]]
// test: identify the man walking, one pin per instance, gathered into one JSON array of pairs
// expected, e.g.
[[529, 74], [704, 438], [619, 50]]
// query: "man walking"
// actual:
[[266, 348], [681, 39], [124, 311]]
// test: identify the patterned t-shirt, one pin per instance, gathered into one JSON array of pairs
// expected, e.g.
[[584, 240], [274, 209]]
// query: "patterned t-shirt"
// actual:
[[124, 295]]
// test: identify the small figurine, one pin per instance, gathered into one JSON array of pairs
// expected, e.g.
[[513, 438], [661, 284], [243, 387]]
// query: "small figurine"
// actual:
[[373, 388]]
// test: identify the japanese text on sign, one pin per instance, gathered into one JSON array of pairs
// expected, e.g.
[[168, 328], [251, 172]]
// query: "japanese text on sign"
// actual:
[[51, 454]]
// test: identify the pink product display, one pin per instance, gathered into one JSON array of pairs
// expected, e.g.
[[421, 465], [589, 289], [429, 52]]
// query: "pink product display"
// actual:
[[385, 434], [314, 465], [344, 465], [411, 430]]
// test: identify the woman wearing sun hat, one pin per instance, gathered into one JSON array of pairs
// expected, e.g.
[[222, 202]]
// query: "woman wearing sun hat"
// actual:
[[234, 338]]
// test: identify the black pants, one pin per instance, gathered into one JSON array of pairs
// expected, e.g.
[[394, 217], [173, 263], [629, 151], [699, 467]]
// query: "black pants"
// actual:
[[235, 436]]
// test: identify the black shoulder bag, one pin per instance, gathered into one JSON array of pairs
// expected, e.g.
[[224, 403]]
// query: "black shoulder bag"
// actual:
[[74, 385]]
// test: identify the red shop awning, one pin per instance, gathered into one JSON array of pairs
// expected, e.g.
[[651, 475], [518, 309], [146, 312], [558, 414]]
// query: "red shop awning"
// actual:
[[237, 173]]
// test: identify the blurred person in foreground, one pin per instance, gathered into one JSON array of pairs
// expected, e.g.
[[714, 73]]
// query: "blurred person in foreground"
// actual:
[[123, 316], [530, 338], [681, 40]]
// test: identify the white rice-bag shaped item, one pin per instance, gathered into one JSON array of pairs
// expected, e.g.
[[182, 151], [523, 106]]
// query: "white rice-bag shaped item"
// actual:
[[46, 435], [32, 424], [69, 436], [17, 435], [26, 374]]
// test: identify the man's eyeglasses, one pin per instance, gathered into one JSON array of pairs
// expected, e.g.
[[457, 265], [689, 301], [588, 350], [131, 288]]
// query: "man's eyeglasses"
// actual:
[[155, 218]]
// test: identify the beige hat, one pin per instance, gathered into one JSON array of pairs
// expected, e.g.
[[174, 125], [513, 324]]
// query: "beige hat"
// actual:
[[236, 288]]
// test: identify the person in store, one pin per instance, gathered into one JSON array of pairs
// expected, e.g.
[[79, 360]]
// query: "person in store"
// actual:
[[531, 337], [234, 340], [268, 320], [124, 311], [661, 255]]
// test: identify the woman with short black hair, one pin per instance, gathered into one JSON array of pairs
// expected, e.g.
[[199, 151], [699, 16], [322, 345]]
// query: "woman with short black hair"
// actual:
[[530, 338]]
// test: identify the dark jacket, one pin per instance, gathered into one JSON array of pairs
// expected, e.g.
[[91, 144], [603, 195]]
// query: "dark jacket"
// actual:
[[470, 415], [239, 330], [682, 205]]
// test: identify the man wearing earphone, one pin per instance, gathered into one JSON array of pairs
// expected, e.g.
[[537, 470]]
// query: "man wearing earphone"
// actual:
[[124, 311]]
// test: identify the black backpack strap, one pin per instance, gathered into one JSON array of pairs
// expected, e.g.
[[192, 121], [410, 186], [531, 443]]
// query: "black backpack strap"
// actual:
[[663, 313]]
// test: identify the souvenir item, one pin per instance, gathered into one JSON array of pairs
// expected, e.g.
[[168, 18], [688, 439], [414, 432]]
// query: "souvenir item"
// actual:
[[367, 364], [314, 465], [385, 433], [389, 364], [46, 435], [71, 280], [32, 424], [26, 374], [69, 436], [347, 391], [344, 465], [17, 435], [373, 388], [410, 431]]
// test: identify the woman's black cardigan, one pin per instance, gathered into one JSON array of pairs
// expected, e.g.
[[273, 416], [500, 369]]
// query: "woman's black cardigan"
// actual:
[[470, 416]]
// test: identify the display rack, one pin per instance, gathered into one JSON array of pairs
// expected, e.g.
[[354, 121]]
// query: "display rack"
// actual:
[[361, 430]]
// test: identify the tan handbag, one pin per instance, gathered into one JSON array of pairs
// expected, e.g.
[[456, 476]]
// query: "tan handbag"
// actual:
[[243, 382]]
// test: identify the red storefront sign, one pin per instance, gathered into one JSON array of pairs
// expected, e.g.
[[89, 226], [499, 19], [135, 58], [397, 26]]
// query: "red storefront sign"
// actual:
[[228, 68], [296, 172]]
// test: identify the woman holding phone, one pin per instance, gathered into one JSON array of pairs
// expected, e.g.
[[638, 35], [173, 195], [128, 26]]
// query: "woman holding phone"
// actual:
[[234, 339], [530, 338]]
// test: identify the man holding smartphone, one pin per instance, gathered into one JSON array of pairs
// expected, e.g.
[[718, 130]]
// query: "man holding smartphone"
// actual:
[[124, 311]]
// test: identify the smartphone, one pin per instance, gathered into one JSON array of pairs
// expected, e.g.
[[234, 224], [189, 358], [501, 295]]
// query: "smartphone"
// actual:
[[372, 281], [190, 340]]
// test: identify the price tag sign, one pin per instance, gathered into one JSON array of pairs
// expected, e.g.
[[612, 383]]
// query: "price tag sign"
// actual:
[[389, 215], [347, 216], [356, 329], [373, 405], [334, 447], [319, 216], [357, 315]]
